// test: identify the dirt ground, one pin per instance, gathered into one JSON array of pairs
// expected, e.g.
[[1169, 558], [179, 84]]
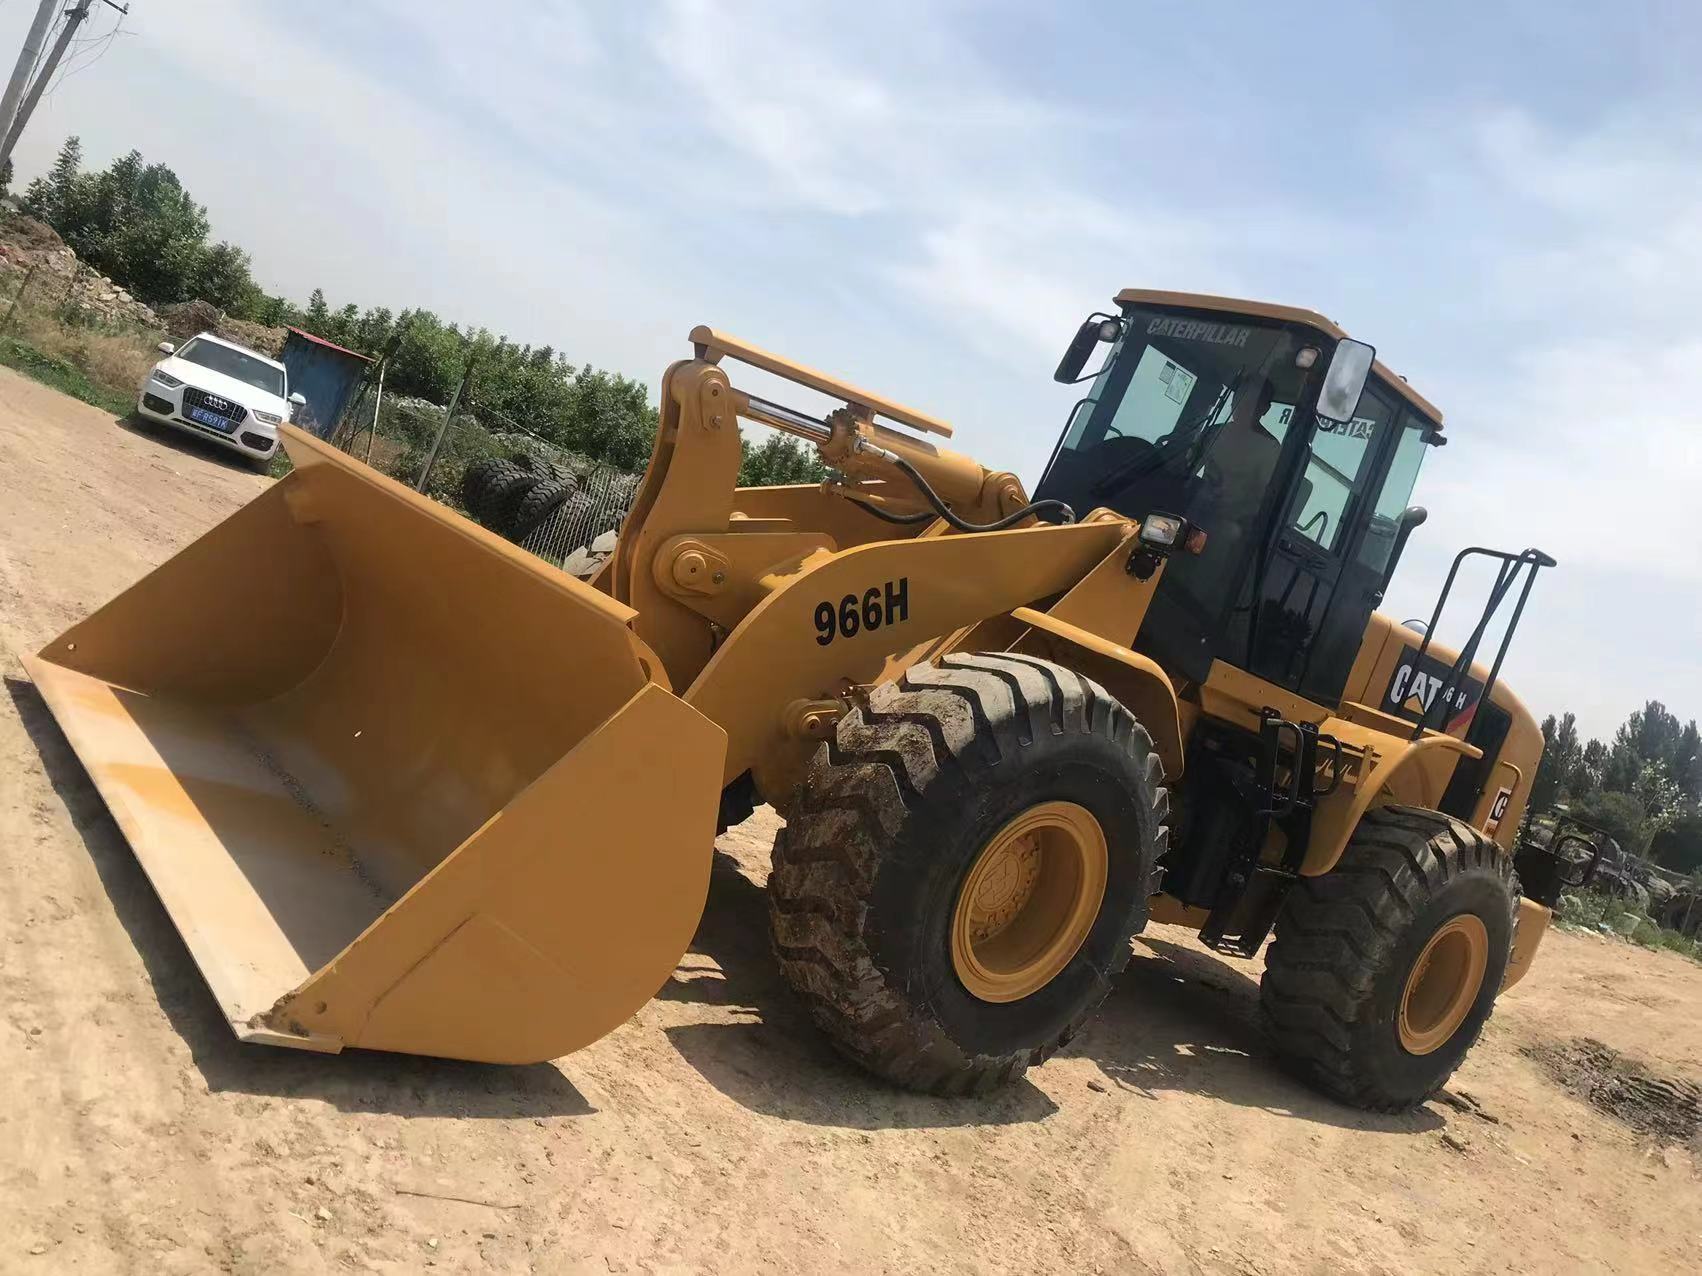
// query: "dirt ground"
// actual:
[[717, 1131]]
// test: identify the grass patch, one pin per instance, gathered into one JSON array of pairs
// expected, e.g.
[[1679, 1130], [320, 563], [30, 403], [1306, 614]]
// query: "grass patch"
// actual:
[[63, 375], [101, 365]]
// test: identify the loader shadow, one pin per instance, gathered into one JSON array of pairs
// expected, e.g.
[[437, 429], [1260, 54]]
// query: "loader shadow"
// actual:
[[1178, 1019], [354, 1081], [1183, 1019], [772, 1059]]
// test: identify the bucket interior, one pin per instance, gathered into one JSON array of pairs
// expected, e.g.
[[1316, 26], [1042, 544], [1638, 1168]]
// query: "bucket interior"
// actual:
[[301, 715]]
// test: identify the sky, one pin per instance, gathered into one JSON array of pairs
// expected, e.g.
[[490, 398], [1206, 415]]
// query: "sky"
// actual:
[[1505, 198]]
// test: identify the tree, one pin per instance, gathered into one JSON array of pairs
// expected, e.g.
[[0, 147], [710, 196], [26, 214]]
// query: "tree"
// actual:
[[6, 178], [372, 333], [51, 195], [1619, 813], [222, 277], [1561, 771], [1678, 846], [1687, 763], [1650, 735], [1623, 763], [273, 311], [610, 418], [778, 461], [428, 358], [136, 222], [1593, 766]]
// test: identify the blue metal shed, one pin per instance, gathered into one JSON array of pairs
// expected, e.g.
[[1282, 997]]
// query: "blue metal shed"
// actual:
[[326, 375]]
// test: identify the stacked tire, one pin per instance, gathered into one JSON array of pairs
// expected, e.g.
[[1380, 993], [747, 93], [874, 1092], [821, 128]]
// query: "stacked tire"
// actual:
[[541, 501], [515, 495], [492, 490]]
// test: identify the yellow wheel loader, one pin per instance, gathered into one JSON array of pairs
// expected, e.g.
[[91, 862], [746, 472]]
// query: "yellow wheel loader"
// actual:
[[405, 787]]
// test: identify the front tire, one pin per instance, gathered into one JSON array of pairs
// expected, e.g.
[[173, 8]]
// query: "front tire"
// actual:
[[1385, 969], [964, 866]]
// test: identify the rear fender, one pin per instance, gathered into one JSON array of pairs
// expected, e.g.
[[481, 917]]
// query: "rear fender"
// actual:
[[1415, 776]]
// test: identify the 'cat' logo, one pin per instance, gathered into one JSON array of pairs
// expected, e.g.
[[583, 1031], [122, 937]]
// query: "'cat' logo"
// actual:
[[1498, 811], [1417, 683]]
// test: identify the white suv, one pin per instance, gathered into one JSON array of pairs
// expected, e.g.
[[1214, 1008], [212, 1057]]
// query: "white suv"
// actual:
[[219, 390]]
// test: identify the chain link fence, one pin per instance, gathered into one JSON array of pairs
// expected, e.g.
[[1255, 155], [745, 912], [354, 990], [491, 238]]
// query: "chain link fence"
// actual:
[[551, 501]]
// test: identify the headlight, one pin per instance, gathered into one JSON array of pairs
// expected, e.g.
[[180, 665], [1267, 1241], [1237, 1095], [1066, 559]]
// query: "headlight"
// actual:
[[268, 418], [1161, 531], [1165, 532], [166, 379]]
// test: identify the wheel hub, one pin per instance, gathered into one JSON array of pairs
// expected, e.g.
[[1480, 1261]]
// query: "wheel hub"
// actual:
[[1443, 984], [1029, 901], [1006, 884]]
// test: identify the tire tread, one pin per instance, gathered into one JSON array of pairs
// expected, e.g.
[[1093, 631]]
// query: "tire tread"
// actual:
[[1338, 931], [964, 714]]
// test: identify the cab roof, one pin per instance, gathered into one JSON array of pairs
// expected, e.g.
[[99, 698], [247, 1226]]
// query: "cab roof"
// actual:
[[1287, 314]]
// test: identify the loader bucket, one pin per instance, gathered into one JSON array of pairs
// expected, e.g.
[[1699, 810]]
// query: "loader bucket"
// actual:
[[399, 784]]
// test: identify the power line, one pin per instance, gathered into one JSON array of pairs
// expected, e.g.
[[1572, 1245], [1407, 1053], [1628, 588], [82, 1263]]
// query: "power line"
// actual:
[[43, 72], [101, 43]]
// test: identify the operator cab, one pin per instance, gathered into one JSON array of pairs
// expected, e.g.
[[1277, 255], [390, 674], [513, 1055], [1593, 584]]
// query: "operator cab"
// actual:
[[1284, 441]]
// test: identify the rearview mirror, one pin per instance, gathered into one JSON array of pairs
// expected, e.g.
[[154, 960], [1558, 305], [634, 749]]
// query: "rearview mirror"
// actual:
[[1411, 517], [298, 398], [167, 348], [1095, 329], [1344, 380]]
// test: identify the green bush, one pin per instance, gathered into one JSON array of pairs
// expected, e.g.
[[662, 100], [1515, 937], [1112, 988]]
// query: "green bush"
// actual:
[[1672, 941], [1590, 910], [463, 446], [1647, 934]]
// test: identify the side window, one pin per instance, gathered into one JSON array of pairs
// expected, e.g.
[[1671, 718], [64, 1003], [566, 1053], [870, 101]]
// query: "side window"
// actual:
[[1379, 540], [1335, 465], [1148, 408], [1154, 398]]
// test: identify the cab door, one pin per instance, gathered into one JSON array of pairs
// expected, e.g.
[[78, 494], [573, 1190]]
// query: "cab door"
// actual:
[[1315, 593]]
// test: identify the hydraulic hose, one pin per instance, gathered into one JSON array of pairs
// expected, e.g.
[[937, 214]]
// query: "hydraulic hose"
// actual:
[[903, 520], [933, 498]]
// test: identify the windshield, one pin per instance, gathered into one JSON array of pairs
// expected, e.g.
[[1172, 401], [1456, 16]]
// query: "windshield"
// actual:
[[1188, 417], [246, 368]]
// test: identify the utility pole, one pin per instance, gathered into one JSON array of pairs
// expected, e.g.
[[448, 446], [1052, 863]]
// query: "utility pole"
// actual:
[[27, 57], [448, 416], [44, 77]]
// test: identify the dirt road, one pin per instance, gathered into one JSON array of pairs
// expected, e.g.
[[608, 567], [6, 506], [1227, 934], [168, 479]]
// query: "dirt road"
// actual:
[[716, 1131]]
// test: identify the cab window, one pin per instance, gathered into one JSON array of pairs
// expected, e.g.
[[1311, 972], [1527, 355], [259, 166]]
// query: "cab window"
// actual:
[[1336, 463], [1392, 501]]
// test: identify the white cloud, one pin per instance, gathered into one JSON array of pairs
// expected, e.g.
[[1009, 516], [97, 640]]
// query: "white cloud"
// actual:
[[1574, 398]]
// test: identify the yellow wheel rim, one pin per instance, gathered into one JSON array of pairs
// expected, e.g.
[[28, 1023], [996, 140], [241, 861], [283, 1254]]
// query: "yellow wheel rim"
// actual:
[[1443, 984], [1029, 901]]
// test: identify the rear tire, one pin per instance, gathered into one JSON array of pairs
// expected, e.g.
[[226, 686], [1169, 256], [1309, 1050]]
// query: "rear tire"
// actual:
[[1384, 970], [902, 809]]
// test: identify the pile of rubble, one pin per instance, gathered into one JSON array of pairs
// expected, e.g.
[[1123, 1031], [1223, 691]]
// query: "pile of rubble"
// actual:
[[183, 319], [31, 249]]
